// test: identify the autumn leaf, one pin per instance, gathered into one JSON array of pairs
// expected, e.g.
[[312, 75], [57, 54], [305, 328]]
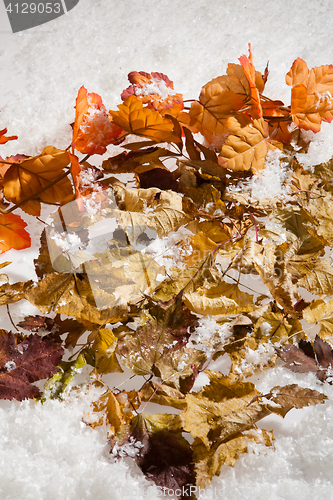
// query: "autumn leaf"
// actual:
[[28, 176], [13, 233], [250, 73], [311, 94], [159, 449], [208, 462], [15, 292], [156, 90], [24, 363], [246, 147], [104, 347], [4, 139], [93, 130], [135, 119]]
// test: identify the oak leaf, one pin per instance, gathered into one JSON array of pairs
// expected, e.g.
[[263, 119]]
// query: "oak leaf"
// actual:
[[93, 130], [24, 363], [135, 119], [13, 233], [28, 176]]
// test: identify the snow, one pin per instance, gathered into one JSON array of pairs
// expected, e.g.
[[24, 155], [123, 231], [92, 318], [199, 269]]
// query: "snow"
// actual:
[[46, 451]]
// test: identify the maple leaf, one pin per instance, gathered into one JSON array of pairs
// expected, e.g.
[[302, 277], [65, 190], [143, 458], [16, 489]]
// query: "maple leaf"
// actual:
[[162, 394], [12, 233], [135, 119], [250, 73], [24, 363], [28, 176], [159, 449], [311, 94], [4, 139], [156, 90], [246, 147], [93, 130]]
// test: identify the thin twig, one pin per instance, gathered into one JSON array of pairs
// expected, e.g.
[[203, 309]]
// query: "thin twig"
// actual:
[[10, 318]]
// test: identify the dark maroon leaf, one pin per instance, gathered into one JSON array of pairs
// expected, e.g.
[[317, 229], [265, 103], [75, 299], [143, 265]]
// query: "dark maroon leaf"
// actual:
[[32, 359], [32, 323], [158, 177], [323, 352], [297, 360], [161, 452]]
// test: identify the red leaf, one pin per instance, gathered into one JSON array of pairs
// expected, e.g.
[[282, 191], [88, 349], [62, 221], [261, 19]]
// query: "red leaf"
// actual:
[[93, 129], [12, 233], [20, 365]]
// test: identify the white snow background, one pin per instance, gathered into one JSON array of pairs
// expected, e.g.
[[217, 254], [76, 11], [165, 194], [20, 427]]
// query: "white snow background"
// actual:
[[46, 452]]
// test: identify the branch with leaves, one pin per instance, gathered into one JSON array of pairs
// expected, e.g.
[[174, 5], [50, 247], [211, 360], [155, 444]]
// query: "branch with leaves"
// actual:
[[167, 323]]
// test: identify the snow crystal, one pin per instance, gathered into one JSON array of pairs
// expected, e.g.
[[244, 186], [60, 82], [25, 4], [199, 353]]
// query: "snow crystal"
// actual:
[[156, 86], [10, 365], [320, 149], [270, 182]]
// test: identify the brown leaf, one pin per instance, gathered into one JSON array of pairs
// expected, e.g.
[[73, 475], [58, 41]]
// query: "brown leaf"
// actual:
[[13, 293], [29, 361], [28, 176]]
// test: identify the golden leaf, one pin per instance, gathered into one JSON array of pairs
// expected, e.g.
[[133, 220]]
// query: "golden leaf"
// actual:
[[246, 147], [135, 119]]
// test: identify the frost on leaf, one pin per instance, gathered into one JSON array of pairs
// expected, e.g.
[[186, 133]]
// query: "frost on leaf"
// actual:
[[156, 90], [93, 130], [24, 363]]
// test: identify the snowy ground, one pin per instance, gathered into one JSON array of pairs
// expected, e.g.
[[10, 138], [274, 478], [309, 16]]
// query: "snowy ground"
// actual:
[[46, 452]]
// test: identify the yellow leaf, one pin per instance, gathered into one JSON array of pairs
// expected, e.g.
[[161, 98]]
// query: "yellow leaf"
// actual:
[[104, 346], [225, 298]]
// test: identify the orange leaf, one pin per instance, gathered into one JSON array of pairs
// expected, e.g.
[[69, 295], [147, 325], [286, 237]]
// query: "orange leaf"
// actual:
[[93, 130], [27, 176], [4, 139], [311, 95], [250, 73], [246, 147], [12, 233], [225, 96], [145, 122], [156, 90]]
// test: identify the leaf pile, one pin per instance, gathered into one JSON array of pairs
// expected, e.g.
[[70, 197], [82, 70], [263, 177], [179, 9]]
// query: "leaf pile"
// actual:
[[185, 267]]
